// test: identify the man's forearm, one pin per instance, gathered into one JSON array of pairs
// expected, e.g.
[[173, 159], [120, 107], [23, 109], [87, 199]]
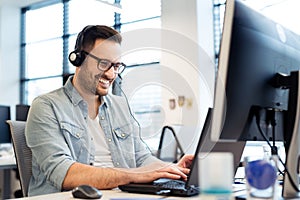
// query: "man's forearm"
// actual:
[[102, 178], [108, 178]]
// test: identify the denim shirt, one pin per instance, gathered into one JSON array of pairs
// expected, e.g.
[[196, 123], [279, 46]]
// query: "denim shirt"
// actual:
[[56, 132]]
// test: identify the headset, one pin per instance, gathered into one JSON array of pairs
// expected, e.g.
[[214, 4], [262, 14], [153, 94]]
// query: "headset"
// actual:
[[77, 57]]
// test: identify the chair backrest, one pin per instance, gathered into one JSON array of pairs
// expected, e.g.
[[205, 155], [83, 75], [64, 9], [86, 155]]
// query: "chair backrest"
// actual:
[[22, 153], [169, 148]]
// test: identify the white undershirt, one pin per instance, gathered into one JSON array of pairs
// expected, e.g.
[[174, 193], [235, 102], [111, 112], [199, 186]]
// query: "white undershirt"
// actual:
[[102, 153]]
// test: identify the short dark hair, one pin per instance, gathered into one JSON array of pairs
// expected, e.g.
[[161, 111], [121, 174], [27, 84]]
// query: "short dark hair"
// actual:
[[89, 34]]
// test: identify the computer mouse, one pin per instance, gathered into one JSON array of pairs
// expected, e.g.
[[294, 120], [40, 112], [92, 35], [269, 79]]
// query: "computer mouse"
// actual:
[[86, 192]]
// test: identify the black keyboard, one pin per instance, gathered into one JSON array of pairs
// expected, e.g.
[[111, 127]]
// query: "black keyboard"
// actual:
[[172, 184]]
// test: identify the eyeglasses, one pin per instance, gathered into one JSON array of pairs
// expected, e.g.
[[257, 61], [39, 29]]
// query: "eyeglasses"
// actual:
[[105, 65]]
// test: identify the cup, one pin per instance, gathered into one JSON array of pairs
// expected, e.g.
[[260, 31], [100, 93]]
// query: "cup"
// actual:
[[215, 172], [261, 177]]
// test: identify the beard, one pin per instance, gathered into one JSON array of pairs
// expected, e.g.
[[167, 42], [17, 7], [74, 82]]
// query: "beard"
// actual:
[[90, 84]]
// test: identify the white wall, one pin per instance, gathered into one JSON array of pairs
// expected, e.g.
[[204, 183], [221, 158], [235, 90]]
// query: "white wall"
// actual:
[[9, 55], [186, 69], [188, 57], [9, 68]]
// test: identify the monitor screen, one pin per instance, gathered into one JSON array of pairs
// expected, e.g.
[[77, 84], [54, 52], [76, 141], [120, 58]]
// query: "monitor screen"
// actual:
[[253, 49], [5, 136], [22, 112]]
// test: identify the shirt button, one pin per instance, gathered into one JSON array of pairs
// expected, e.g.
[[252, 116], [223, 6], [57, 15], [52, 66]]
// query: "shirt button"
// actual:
[[123, 134], [117, 164], [102, 118], [109, 140], [77, 134]]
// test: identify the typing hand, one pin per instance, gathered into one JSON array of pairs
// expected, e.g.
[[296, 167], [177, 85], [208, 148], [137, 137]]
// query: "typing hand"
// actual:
[[158, 170], [186, 161]]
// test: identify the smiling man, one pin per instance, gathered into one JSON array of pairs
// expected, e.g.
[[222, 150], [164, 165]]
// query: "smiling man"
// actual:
[[82, 134]]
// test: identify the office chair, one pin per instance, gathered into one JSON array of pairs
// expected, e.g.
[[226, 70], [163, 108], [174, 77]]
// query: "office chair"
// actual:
[[22, 153], [169, 148]]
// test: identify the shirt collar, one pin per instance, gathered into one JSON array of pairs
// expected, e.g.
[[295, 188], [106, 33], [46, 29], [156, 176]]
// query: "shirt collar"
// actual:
[[104, 101], [71, 92]]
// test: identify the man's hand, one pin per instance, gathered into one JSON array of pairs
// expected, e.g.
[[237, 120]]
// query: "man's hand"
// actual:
[[158, 170], [186, 161]]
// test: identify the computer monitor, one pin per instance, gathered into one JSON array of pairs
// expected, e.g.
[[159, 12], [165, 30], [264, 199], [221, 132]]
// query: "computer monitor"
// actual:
[[254, 89], [5, 136], [22, 112]]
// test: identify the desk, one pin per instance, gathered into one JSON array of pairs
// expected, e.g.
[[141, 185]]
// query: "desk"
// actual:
[[113, 194], [7, 162]]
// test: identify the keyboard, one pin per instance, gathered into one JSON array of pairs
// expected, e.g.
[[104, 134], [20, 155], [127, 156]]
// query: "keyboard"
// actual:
[[172, 184]]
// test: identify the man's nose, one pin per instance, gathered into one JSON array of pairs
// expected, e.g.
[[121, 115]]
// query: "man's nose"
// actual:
[[110, 73]]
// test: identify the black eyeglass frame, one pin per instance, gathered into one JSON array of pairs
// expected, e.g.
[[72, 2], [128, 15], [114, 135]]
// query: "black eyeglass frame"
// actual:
[[119, 67]]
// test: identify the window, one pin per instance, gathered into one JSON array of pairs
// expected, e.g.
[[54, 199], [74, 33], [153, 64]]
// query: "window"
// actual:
[[45, 49]]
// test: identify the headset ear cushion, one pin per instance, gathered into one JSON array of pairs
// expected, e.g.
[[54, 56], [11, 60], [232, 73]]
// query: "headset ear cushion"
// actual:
[[76, 58]]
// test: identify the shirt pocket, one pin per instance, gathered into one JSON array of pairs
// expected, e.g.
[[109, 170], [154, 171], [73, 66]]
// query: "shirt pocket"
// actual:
[[75, 137], [125, 143], [122, 132], [124, 135]]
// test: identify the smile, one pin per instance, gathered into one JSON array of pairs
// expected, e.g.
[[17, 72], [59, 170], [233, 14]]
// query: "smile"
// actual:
[[104, 81]]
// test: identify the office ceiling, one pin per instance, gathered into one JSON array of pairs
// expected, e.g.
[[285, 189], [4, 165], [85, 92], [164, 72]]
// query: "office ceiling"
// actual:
[[18, 3]]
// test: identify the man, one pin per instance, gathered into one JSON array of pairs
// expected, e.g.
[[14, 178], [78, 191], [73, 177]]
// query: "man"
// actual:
[[80, 134]]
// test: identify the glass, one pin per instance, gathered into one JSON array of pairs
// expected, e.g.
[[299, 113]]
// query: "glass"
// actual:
[[261, 177], [39, 27], [154, 23], [82, 13], [41, 61], [35, 88], [134, 10], [105, 65], [216, 173]]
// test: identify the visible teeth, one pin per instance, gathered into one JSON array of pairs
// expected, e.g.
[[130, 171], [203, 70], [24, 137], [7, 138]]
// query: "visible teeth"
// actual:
[[104, 81]]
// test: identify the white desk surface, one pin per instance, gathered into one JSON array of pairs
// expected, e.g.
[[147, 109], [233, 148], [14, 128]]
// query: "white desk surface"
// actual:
[[7, 162], [119, 195], [7, 157]]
